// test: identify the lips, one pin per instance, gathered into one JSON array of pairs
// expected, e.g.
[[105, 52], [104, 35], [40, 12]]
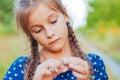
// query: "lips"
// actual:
[[54, 41]]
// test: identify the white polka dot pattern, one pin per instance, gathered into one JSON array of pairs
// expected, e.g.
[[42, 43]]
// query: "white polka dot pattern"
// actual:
[[16, 70]]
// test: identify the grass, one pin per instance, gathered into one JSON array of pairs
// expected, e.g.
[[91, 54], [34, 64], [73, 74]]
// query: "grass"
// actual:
[[107, 39], [12, 46]]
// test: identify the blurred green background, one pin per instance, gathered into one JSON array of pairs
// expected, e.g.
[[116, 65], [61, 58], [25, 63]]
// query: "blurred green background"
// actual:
[[102, 30]]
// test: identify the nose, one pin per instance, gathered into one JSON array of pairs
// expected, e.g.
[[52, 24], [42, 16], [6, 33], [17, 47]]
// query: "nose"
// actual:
[[49, 33]]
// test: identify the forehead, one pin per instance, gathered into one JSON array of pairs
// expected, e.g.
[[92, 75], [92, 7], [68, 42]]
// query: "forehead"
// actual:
[[41, 11]]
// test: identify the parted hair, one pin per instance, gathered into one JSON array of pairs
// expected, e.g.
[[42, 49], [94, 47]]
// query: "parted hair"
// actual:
[[23, 9]]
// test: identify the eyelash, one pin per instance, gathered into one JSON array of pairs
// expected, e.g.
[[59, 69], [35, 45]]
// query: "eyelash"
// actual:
[[53, 22], [38, 31]]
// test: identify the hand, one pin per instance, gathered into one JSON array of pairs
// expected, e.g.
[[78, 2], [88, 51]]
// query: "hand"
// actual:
[[48, 70], [79, 67]]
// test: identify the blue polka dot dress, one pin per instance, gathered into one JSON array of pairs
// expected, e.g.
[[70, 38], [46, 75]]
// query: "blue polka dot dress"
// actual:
[[16, 70]]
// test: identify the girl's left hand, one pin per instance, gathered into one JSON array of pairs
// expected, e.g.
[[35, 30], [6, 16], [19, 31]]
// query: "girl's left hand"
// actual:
[[79, 67]]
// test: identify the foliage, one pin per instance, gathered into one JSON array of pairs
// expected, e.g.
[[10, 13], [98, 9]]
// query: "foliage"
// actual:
[[5, 11], [107, 39], [6, 17], [106, 11], [103, 28], [8, 29]]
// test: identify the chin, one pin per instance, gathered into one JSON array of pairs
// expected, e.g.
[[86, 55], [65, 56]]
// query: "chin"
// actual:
[[56, 48]]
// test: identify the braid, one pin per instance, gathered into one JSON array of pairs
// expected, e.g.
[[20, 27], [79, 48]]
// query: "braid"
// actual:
[[34, 60], [74, 43], [76, 48]]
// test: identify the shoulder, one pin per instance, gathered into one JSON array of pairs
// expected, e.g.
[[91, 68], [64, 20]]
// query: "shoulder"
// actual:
[[93, 57], [95, 60], [21, 60], [16, 69], [98, 66]]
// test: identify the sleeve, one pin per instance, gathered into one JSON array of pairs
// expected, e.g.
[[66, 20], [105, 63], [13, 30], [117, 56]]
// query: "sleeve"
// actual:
[[98, 67], [16, 70]]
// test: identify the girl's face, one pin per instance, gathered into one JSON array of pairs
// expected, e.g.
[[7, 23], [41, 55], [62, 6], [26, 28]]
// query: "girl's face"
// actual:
[[48, 27]]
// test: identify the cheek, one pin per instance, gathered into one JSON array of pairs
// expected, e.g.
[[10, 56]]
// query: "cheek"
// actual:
[[65, 31], [61, 28], [40, 38]]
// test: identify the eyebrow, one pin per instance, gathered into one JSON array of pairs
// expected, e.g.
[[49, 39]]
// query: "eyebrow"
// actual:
[[41, 25]]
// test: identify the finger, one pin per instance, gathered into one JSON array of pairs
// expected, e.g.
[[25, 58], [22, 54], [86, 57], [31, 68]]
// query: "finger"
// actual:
[[54, 64], [73, 60], [78, 69], [43, 72], [80, 76], [47, 72], [40, 73]]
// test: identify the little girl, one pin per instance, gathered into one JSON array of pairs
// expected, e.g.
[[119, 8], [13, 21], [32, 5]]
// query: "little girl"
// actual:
[[46, 23]]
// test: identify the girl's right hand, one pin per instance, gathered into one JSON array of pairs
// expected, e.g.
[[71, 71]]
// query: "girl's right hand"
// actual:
[[48, 70]]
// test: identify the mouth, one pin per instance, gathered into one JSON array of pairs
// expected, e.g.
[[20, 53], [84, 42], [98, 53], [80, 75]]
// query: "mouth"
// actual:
[[54, 41]]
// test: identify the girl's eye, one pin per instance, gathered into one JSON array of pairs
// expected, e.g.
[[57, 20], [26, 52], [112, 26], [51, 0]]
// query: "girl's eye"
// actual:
[[54, 21], [38, 31]]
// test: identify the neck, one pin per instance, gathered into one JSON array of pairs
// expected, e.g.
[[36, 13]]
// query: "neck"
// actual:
[[64, 52]]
